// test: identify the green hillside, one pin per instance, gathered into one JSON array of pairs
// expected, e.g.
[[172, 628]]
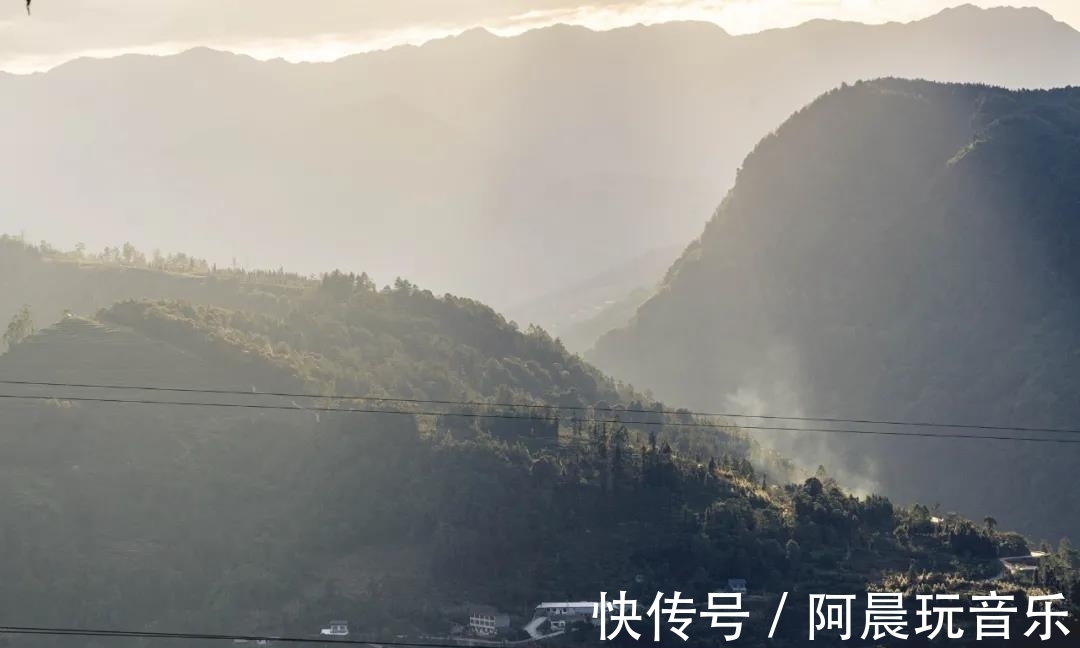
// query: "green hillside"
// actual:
[[896, 250], [124, 512], [401, 341], [165, 517]]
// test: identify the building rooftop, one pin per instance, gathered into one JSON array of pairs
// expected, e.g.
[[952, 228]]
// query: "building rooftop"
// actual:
[[571, 604]]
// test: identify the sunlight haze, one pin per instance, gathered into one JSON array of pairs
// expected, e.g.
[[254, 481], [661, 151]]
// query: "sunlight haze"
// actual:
[[60, 30], [437, 323]]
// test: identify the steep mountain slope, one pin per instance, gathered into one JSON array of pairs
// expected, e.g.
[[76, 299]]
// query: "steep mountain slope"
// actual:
[[526, 163], [172, 517], [898, 250]]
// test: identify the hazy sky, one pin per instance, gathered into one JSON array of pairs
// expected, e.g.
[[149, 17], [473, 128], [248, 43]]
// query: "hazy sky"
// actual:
[[63, 29]]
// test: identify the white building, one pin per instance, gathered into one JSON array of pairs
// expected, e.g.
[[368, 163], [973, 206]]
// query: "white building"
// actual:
[[567, 611], [336, 629], [486, 621]]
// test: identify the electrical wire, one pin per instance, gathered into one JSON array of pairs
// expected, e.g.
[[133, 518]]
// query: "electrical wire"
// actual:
[[483, 415], [570, 408]]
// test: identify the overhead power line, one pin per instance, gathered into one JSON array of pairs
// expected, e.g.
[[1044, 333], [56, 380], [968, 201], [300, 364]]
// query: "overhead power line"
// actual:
[[492, 415], [136, 634], [569, 408]]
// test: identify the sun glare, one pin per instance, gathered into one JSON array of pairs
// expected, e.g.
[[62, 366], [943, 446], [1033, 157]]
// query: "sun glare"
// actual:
[[734, 16]]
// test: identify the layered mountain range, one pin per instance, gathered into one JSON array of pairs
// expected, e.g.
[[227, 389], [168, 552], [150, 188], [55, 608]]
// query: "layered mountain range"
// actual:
[[501, 168]]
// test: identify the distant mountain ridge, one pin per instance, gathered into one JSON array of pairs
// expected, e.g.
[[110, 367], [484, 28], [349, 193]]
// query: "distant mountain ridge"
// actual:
[[579, 313], [501, 168], [898, 250]]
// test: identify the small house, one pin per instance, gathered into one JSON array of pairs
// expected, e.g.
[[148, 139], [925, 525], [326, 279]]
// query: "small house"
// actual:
[[569, 611], [336, 629], [486, 621]]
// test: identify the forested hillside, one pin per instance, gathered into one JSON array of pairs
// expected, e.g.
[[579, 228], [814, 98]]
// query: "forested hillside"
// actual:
[[338, 332], [273, 521], [896, 250], [277, 518]]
